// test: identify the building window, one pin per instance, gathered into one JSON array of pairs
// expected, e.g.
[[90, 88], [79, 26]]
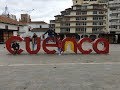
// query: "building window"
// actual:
[[97, 23], [6, 26], [81, 13], [40, 26], [100, 23], [80, 29], [81, 18], [65, 30], [81, 23], [101, 12], [96, 29], [65, 24], [94, 12], [98, 18], [18, 28], [94, 23]]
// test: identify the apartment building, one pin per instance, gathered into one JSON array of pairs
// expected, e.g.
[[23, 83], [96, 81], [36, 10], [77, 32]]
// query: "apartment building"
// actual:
[[86, 18], [114, 20]]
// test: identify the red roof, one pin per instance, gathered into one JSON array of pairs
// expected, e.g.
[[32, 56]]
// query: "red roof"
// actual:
[[7, 20]]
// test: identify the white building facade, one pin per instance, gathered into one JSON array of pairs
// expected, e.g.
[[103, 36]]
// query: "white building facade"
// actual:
[[37, 27], [114, 19], [114, 15]]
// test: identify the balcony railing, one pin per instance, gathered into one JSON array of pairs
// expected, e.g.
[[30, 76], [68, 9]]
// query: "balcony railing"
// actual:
[[114, 23], [114, 29], [116, 1], [98, 31], [80, 32], [114, 5], [115, 17]]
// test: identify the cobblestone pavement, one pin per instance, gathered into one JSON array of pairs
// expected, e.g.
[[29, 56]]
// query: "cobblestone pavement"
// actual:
[[66, 72]]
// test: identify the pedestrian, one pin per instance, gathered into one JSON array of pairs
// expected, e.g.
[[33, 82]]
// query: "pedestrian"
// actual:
[[51, 33], [34, 40], [15, 47], [43, 37], [59, 45]]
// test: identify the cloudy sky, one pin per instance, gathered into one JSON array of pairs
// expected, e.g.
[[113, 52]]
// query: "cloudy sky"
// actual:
[[43, 9]]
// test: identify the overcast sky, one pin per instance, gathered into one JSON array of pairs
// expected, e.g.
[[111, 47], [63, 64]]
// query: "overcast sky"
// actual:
[[43, 9]]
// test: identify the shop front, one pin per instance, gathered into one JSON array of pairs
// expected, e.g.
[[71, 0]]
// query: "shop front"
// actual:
[[5, 35]]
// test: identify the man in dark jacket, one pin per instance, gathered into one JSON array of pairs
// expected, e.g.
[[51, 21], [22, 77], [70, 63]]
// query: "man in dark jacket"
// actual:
[[51, 33]]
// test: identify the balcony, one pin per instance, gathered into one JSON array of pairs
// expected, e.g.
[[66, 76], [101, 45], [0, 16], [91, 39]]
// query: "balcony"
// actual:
[[115, 17], [98, 31], [114, 5], [82, 32], [114, 23], [64, 31], [115, 11], [114, 29], [116, 1]]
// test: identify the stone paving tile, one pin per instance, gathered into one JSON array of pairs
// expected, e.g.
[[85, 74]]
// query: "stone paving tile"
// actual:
[[66, 72], [63, 77]]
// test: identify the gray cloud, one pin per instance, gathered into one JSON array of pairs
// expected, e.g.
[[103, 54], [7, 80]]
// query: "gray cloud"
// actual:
[[43, 9]]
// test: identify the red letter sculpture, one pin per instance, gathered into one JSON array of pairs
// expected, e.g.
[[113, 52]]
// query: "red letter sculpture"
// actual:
[[106, 46], [10, 40], [70, 41], [38, 42], [49, 45], [80, 46]]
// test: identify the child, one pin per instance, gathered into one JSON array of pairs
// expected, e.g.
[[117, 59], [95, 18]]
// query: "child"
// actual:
[[15, 47], [59, 45]]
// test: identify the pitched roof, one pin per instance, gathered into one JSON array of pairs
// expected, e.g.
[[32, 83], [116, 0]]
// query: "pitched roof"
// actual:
[[7, 20]]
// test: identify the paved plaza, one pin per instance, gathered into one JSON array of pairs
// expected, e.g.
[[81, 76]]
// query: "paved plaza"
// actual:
[[66, 72]]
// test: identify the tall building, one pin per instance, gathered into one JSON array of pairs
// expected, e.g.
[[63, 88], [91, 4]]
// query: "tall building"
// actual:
[[85, 18], [114, 19]]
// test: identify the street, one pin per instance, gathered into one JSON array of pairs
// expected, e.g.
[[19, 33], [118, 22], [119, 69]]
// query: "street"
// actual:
[[66, 72]]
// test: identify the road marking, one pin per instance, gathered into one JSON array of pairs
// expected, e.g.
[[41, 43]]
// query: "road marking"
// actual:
[[2, 50], [108, 63]]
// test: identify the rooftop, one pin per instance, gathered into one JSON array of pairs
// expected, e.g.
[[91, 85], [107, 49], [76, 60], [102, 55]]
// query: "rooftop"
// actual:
[[7, 20]]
